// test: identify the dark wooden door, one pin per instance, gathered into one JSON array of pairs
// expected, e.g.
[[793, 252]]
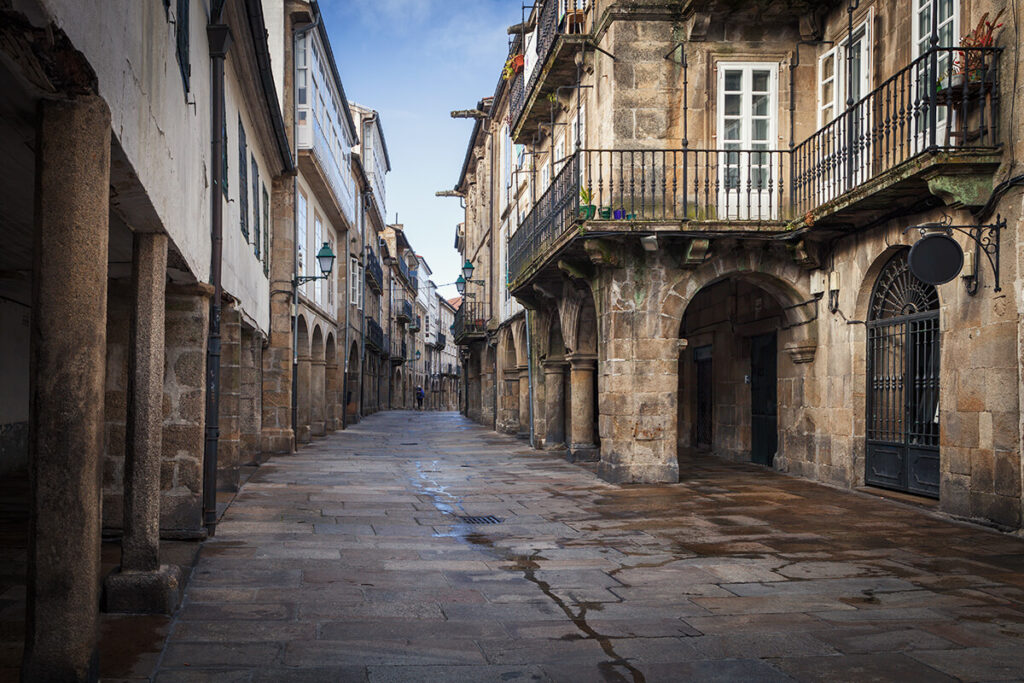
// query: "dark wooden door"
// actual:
[[764, 407], [702, 424]]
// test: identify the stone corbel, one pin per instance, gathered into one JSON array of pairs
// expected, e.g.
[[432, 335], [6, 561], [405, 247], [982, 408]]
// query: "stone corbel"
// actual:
[[576, 271], [699, 23], [696, 252], [801, 351], [801, 256], [601, 252], [960, 190]]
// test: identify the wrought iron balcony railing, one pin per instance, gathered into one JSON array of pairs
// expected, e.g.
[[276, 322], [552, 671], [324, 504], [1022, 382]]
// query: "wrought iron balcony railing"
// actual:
[[414, 325], [442, 340], [924, 109], [554, 18], [470, 321], [374, 334], [397, 351], [403, 310], [374, 272]]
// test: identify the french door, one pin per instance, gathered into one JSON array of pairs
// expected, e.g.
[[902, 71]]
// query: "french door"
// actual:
[[844, 79], [747, 128], [946, 22]]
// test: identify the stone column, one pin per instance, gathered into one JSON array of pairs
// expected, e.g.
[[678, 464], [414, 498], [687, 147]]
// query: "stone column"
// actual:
[[318, 396], [229, 441], [510, 393], [142, 584], [554, 404], [524, 402], [276, 423], [582, 375], [302, 429], [331, 420], [68, 347]]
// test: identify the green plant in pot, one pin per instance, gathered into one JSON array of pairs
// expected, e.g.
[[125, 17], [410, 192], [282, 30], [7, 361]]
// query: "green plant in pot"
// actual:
[[605, 212], [587, 210]]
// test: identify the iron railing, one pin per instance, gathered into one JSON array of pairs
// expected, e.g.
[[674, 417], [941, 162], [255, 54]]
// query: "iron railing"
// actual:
[[414, 325], [911, 114], [550, 24], [403, 310], [374, 272], [945, 100], [442, 340], [374, 334], [470, 321]]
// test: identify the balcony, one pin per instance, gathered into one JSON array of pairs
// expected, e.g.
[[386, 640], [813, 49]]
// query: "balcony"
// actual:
[[913, 137], [470, 322], [321, 168], [414, 325], [556, 39], [374, 273], [374, 335], [398, 352], [403, 310], [442, 340]]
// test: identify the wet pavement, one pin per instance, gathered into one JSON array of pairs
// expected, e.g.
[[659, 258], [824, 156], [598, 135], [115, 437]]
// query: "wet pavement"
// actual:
[[359, 558]]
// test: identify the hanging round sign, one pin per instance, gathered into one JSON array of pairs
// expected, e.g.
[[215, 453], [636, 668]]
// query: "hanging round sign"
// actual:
[[936, 258]]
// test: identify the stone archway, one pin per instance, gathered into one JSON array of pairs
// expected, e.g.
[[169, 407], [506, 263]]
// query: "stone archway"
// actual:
[[554, 365], [317, 383], [352, 385], [583, 384], [302, 382], [508, 394]]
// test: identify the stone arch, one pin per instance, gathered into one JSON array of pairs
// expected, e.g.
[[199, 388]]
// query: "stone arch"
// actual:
[[773, 273], [508, 383], [554, 339], [317, 384], [316, 349], [580, 320], [867, 284], [519, 337], [352, 388], [301, 337]]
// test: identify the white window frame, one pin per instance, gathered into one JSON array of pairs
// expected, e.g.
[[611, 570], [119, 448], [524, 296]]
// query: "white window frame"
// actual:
[[730, 204], [303, 219], [918, 49], [318, 235]]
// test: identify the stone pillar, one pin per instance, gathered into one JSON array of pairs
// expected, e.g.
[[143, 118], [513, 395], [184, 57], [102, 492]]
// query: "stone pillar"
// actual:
[[318, 396], [276, 427], [304, 394], [510, 400], [229, 442], [554, 404], [250, 410], [332, 383], [186, 327], [524, 402], [582, 375], [142, 584], [68, 347]]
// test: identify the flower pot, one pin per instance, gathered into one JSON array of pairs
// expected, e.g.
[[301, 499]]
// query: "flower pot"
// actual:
[[587, 211], [605, 212], [630, 216], [619, 214], [517, 63]]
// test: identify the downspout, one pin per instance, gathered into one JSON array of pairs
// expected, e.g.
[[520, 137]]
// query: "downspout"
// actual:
[[495, 268], [296, 33], [219, 37]]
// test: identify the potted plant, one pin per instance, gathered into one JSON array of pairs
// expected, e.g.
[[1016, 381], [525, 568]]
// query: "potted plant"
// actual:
[[513, 65], [619, 214], [587, 210], [971, 64], [605, 212]]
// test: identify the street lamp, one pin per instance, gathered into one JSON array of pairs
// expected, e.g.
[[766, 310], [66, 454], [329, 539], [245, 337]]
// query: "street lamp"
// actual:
[[460, 285], [325, 259], [466, 278], [467, 270]]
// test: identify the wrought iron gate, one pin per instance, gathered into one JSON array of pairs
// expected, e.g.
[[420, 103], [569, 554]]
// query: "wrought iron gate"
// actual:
[[903, 382]]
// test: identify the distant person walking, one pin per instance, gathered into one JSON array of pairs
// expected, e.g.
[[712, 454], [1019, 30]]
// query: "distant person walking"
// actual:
[[419, 398]]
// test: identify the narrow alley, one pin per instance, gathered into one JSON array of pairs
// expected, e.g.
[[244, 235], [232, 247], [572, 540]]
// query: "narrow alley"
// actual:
[[421, 546]]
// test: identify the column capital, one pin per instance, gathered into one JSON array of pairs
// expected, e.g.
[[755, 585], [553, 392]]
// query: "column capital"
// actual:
[[554, 365], [583, 361]]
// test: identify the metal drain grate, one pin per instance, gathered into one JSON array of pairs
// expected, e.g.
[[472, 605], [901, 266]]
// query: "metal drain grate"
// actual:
[[481, 519]]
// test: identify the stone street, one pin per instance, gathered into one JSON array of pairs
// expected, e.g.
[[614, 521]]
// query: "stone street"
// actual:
[[355, 559]]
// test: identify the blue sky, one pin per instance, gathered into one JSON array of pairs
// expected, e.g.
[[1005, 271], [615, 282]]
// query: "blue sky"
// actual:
[[414, 61]]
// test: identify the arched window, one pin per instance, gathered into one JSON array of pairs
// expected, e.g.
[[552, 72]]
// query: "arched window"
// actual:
[[903, 382]]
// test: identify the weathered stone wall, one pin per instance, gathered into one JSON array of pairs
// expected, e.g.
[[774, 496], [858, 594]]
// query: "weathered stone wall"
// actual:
[[115, 411], [229, 406], [250, 399]]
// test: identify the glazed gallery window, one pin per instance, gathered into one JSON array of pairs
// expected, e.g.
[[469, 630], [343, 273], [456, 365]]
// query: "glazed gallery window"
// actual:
[[301, 229], [747, 123], [243, 184]]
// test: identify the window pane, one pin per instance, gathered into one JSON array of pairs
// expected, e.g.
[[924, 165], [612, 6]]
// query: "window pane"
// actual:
[[732, 105], [732, 129], [733, 80], [760, 81], [760, 105], [760, 129], [827, 94], [828, 66]]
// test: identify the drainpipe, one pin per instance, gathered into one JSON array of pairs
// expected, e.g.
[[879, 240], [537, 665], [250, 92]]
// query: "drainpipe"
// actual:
[[348, 308], [219, 37], [296, 34]]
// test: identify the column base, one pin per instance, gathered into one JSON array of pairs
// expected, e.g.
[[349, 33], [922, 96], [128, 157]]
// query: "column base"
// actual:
[[618, 473], [554, 447], [318, 429], [155, 592], [583, 452], [276, 441]]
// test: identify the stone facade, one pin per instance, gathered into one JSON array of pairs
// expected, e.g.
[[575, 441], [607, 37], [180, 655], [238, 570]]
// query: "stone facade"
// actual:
[[746, 314]]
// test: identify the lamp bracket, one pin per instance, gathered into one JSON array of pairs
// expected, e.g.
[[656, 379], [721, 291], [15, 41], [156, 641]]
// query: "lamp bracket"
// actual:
[[303, 279], [985, 238]]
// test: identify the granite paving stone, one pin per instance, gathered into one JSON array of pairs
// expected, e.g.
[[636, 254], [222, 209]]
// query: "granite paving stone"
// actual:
[[352, 560]]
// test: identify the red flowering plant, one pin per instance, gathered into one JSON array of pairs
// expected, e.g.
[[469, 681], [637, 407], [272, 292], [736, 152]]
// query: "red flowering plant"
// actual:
[[972, 62]]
